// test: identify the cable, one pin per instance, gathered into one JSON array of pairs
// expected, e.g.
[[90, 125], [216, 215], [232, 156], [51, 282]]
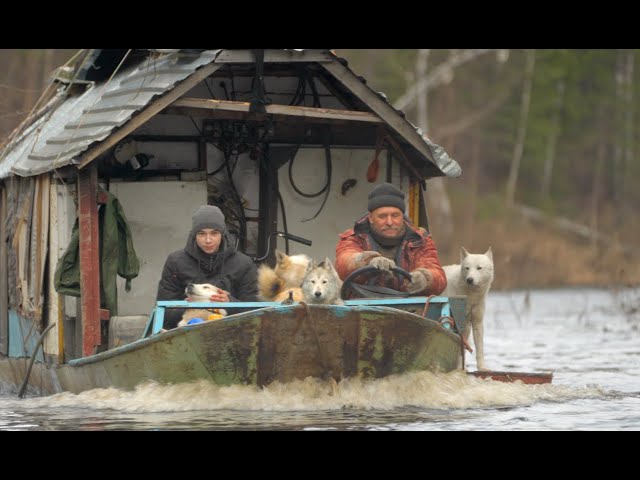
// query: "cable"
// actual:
[[284, 223]]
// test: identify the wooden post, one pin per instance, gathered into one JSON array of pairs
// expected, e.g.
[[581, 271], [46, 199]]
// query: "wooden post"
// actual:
[[414, 202], [4, 279], [89, 259], [268, 195]]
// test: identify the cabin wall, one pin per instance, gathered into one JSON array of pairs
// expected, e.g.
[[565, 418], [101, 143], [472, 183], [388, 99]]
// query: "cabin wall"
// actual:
[[341, 211], [159, 216], [62, 216]]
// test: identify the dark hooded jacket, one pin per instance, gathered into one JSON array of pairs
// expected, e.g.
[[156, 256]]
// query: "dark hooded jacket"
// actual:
[[228, 269]]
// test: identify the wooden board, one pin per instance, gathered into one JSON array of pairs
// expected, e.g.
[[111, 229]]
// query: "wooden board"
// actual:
[[510, 377]]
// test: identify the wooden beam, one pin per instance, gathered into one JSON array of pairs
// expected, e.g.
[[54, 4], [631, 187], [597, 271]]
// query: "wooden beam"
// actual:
[[268, 197], [275, 56], [89, 260], [282, 110], [148, 113]]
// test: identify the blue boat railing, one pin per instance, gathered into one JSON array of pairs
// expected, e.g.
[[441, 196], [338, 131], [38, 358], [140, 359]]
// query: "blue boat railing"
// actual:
[[449, 311]]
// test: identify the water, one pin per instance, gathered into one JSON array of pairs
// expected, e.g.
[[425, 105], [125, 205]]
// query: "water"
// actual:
[[583, 336]]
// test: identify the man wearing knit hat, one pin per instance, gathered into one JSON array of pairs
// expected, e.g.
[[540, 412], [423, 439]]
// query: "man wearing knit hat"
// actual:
[[210, 256], [385, 238]]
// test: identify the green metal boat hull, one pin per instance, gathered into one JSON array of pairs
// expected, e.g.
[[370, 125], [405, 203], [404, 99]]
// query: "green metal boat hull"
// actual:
[[259, 347]]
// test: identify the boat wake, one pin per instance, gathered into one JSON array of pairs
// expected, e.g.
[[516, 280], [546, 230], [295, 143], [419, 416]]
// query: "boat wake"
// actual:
[[454, 390]]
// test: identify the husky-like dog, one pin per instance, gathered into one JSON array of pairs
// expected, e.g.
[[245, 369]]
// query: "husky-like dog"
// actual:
[[473, 278], [283, 282], [321, 284], [201, 292]]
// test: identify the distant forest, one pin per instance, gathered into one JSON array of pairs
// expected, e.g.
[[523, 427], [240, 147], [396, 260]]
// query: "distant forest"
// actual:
[[557, 130]]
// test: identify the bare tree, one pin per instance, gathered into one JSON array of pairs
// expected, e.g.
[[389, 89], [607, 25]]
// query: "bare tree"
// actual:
[[545, 187], [443, 73], [629, 116], [518, 148], [421, 71]]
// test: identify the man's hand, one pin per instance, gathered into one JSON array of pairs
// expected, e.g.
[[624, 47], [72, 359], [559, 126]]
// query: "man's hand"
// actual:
[[382, 263], [221, 296], [363, 258], [420, 280]]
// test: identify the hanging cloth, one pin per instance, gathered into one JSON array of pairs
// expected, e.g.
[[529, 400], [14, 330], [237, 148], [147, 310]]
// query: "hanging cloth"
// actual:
[[117, 256]]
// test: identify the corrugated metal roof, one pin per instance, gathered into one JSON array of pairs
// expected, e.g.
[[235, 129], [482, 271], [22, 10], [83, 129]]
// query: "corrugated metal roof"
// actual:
[[57, 138]]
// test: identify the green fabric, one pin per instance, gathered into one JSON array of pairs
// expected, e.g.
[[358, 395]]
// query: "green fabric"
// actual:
[[117, 256]]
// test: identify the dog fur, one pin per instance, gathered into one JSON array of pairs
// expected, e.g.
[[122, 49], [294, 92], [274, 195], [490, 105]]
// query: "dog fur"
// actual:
[[283, 282], [199, 292], [321, 284], [473, 278]]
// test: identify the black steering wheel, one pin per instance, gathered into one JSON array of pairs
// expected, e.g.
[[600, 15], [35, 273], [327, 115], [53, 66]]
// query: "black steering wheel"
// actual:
[[369, 290]]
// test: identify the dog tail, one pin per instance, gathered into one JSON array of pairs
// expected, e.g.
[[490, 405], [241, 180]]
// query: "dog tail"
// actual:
[[269, 284]]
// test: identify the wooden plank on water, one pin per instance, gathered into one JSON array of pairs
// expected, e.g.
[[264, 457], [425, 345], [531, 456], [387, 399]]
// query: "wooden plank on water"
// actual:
[[510, 377]]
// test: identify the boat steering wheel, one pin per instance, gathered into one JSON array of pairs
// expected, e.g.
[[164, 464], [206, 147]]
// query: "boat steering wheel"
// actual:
[[369, 290]]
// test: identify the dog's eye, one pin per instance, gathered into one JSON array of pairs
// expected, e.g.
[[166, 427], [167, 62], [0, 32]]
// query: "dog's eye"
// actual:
[[324, 281], [313, 281], [479, 268]]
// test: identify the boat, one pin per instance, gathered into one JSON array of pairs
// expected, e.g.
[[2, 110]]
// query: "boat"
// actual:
[[163, 132], [266, 342]]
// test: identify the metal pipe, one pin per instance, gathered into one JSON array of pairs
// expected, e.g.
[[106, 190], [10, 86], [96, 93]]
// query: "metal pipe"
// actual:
[[33, 359]]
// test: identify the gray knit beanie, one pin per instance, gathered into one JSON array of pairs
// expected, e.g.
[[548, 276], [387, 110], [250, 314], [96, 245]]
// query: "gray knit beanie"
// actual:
[[208, 216], [386, 195]]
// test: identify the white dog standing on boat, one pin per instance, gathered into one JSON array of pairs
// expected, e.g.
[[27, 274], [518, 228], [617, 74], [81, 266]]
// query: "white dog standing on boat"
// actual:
[[200, 292], [473, 278]]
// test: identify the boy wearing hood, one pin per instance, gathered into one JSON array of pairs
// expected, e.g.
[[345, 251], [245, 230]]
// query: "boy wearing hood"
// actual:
[[210, 256]]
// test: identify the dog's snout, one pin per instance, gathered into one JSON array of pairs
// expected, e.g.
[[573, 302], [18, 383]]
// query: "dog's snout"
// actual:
[[470, 281], [318, 294]]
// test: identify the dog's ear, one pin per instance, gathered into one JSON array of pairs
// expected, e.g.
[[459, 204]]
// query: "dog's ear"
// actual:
[[310, 266], [329, 266], [463, 254], [281, 257], [489, 254]]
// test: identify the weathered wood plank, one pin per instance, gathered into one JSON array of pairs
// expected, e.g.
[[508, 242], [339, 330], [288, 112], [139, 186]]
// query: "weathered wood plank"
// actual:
[[275, 56], [277, 110], [89, 259]]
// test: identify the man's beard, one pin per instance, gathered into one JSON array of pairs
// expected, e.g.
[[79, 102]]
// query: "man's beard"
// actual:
[[385, 239]]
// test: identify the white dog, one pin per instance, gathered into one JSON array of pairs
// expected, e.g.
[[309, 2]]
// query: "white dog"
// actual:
[[201, 292], [473, 278], [321, 284]]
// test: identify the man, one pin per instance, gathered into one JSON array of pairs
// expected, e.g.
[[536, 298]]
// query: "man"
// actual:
[[385, 238], [210, 256]]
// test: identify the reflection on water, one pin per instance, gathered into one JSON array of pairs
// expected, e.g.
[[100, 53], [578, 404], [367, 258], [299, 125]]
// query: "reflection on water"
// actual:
[[578, 334]]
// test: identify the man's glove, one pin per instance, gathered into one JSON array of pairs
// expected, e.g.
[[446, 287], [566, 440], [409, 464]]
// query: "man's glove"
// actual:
[[362, 259], [420, 280], [382, 263]]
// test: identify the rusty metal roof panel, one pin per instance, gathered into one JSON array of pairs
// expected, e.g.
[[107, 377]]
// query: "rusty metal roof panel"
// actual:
[[56, 139]]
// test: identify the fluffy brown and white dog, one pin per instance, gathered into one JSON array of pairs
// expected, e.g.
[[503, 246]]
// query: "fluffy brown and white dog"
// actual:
[[283, 282], [201, 292]]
